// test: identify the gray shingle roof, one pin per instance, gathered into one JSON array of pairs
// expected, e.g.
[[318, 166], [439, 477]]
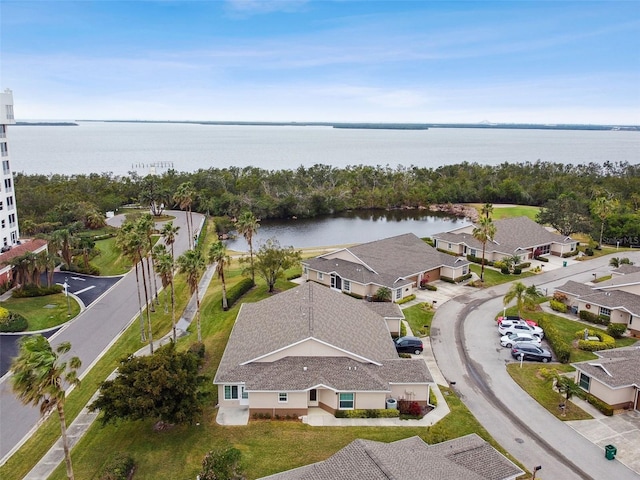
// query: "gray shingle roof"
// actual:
[[620, 280], [619, 367], [310, 311], [469, 458], [386, 309], [511, 234], [387, 260], [575, 289], [625, 269], [615, 299]]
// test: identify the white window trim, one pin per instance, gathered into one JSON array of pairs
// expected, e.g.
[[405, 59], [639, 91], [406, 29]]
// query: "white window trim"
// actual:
[[229, 389], [353, 401], [320, 276], [282, 395]]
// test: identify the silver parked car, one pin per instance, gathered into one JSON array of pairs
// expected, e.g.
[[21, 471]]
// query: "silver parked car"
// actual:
[[512, 338]]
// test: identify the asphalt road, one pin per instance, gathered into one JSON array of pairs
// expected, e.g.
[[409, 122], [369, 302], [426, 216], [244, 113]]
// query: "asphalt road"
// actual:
[[91, 333], [466, 346]]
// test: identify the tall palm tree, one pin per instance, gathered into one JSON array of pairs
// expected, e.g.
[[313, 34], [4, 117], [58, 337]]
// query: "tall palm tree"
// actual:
[[169, 233], [164, 267], [192, 264], [184, 197], [484, 232], [218, 255], [39, 377], [603, 207], [126, 244], [247, 225], [63, 240], [487, 210], [146, 224], [523, 295]]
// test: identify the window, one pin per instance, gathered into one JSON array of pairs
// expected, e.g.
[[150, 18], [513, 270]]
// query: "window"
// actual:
[[305, 270], [449, 247], [3, 131], [3, 224], [346, 401], [10, 203], [9, 112], [346, 285], [320, 276], [313, 395], [5, 166], [4, 149], [543, 250], [605, 311], [465, 270], [283, 397], [585, 380], [7, 183], [398, 294], [230, 392], [474, 252]]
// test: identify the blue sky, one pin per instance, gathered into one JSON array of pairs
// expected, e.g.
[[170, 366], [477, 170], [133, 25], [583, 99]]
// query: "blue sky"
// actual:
[[296, 60]]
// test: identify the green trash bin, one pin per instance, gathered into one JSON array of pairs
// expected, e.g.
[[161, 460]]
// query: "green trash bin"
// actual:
[[564, 263], [610, 452]]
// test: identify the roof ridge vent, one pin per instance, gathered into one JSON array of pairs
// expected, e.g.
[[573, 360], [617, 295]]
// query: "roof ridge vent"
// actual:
[[602, 367]]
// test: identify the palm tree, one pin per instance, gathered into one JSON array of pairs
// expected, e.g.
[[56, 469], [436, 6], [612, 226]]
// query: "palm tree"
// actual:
[[164, 267], [487, 210], [523, 295], [218, 255], [125, 242], [247, 225], [184, 198], [603, 207], [169, 233], [146, 224], [484, 232], [49, 260], [39, 377], [63, 240], [192, 264]]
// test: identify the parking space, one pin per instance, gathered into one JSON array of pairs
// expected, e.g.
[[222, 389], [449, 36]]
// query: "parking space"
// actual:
[[86, 288]]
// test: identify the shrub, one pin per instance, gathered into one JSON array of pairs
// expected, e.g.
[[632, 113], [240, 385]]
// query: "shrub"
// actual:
[[457, 279], [368, 413], [558, 306], [474, 259], [517, 271], [118, 467], [430, 287], [542, 259], [616, 330], [238, 290], [403, 329], [560, 297], [90, 270], [523, 265], [603, 407], [407, 407], [572, 253], [4, 313], [198, 350], [223, 463], [588, 316], [13, 322], [406, 299], [504, 270], [33, 291], [556, 341], [588, 251], [605, 341]]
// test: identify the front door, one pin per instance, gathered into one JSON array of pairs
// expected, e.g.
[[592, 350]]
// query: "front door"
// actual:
[[336, 281], [244, 396], [313, 397]]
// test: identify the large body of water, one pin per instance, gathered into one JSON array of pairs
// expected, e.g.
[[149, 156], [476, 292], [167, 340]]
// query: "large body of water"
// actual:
[[349, 228], [118, 148]]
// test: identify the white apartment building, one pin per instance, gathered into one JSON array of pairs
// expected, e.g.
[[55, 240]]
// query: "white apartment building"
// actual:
[[9, 233]]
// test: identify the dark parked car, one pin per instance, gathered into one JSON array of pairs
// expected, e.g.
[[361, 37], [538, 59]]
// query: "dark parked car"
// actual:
[[409, 345], [530, 352]]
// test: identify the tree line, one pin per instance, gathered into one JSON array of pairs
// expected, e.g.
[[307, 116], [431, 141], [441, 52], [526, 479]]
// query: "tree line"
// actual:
[[323, 189]]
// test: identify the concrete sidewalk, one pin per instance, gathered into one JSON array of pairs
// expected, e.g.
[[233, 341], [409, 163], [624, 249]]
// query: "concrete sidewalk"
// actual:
[[47, 464]]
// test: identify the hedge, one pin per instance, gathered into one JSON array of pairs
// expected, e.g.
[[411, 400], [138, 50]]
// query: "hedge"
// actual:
[[14, 322], [555, 339], [603, 407], [368, 413], [572, 253], [541, 259], [606, 341], [33, 291], [457, 279], [474, 259], [238, 290], [523, 265], [558, 306], [594, 318], [616, 330], [406, 299]]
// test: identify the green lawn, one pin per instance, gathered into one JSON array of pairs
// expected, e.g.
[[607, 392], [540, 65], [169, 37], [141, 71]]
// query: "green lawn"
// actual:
[[419, 318], [510, 211], [540, 389], [493, 277], [44, 312], [110, 261]]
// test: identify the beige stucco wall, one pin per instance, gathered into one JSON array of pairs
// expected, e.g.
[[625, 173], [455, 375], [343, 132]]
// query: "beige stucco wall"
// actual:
[[226, 403], [609, 395], [342, 255], [313, 275], [308, 348], [452, 247], [393, 324], [270, 400], [328, 397], [619, 316], [410, 392], [370, 400]]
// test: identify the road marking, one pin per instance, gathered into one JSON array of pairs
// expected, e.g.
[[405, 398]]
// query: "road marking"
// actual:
[[84, 290], [79, 278]]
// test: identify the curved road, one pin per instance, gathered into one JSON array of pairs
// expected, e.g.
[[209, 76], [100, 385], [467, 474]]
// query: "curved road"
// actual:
[[91, 334], [466, 347]]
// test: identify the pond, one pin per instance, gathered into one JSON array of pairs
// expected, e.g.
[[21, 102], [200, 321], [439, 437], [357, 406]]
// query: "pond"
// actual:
[[350, 227]]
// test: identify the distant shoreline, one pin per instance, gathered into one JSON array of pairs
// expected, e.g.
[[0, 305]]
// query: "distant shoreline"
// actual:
[[365, 126]]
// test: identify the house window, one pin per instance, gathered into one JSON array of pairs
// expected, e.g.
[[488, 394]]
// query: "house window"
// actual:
[[313, 395], [543, 250], [474, 252], [449, 246], [346, 285], [7, 183], [585, 380], [346, 401], [283, 397], [320, 276], [230, 392], [398, 294], [305, 270], [465, 270], [244, 394], [4, 149], [5, 167], [605, 311]]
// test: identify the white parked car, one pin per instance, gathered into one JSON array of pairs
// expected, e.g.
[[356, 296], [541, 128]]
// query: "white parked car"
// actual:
[[513, 338], [507, 327]]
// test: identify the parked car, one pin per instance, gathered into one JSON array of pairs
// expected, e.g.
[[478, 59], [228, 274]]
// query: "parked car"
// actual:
[[530, 352], [515, 318], [509, 326], [409, 345], [513, 338]]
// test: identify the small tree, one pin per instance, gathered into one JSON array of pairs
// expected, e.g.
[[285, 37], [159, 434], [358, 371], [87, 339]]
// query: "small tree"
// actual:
[[524, 296], [221, 464], [484, 232], [383, 294], [272, 260], [247, 226], [163, 386]]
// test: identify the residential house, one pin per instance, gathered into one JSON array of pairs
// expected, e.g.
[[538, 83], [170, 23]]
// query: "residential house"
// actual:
[[468, 457], [614, 299], [514, 236], [35, 246], [312, 346], [399, 263], [614, 377]]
